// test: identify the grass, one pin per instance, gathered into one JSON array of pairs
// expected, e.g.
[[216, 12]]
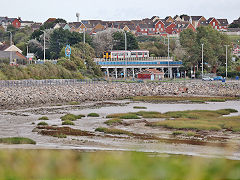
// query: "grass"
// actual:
[[68, 122], [139, 107], [43, 118], [60, 135], [72, 165], [73, 103], [112, 131], [93, 115], [188, 133], [150, 114], [17, 140], [182, 99], [114, 121], [42, 124], [123, 116], [71, 117], [200, 120]]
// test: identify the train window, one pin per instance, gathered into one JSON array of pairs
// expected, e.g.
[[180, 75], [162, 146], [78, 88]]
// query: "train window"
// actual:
[[145, 53], [133, 53], [139, 53]]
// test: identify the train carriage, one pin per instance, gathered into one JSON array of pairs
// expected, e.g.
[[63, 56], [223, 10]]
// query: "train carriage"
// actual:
[[121, 54]]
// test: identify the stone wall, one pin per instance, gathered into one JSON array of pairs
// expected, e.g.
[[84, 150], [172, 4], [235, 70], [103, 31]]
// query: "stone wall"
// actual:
[[52, 94]]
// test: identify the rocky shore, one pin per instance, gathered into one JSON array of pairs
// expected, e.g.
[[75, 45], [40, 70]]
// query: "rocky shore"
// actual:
[[11, 97]]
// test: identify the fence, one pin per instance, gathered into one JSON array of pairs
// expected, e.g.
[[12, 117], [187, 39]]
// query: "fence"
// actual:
[[28, 83]]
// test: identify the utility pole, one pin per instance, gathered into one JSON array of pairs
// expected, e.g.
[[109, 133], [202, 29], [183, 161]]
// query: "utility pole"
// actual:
[[226, 58], [10, 46], [168, 59], [202, 60], [44, 46], [125, 36]]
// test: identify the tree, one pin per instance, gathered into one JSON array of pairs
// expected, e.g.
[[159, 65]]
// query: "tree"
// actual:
[[119, 41], [60, 38], [214, 49], [233, 25], [103, 41]]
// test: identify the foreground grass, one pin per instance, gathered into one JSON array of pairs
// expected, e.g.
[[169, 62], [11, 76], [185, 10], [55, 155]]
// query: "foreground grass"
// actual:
[[182, 99], [73, 165], [16, 140]]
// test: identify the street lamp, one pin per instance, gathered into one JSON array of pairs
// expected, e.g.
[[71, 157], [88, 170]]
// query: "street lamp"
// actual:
[[44, 46], [226, 59], [168, 58], [125, 36], [202, 60], [10, 46]]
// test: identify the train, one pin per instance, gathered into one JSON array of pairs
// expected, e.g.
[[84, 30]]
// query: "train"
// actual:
[[121, 54]]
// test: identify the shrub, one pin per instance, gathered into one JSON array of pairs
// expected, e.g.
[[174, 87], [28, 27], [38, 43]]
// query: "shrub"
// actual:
[[71, 117], [176, 133], [93, 115], [113, 131], [17, 140], [139, 107], [60, 135], [43, 118], [113, 121], [42, 124], [68, 122]]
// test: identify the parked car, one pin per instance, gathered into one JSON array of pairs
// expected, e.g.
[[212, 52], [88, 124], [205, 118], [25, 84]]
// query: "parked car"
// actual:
[[207, 79], [218, 78]]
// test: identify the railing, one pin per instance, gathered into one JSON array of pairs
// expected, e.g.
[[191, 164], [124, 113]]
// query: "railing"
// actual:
[[135, 59], [139, 63], [46, 82]]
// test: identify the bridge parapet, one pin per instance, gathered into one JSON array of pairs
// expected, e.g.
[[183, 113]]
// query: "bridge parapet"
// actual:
[[135, 59]]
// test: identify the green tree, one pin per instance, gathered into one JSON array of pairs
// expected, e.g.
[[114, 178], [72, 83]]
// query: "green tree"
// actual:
[[214, 49], [119, 41]]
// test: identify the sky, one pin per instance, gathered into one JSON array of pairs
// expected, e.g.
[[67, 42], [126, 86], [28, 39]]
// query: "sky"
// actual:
[[40, 11]]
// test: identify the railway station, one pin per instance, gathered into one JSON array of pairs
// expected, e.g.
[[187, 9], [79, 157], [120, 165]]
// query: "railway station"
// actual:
[[130, 66]]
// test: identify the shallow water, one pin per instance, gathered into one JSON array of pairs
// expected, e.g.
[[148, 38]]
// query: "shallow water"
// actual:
[[17, 125]]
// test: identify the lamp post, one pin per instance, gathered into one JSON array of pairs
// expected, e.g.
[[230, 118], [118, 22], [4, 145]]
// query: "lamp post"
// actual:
[[202, 60], [168, 59], [226, 59], [10, 46], [44, 45], [125, 36]]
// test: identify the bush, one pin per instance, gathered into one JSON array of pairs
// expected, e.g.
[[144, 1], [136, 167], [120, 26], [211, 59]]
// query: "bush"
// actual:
[[71, 117], [43, 118], [113, 121], [68, 122], [17, 140], [93, 115], [42, 124]]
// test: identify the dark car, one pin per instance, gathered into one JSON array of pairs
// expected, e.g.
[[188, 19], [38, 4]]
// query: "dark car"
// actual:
[[218, 78]]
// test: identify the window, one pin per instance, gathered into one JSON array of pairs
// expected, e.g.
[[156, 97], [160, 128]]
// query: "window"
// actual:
[[133, 53], [139, 53], [214, 23]]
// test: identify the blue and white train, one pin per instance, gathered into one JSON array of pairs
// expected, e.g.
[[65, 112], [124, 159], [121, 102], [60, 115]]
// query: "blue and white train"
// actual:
[[121, 54]]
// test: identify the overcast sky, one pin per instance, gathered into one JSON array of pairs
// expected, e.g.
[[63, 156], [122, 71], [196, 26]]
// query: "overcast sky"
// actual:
[[41, 10]]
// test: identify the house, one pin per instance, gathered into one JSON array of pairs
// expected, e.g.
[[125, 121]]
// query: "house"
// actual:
[[169, 19], [5, 22], [13, 48], [50, 20], [26, 23], [195, 20], [36, 26], [59, 25], [15, 55], [218, 24], [152, 74], [177, 18]]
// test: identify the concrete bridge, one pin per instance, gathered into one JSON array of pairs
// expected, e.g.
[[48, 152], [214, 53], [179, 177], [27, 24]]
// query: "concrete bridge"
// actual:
[[129, 67]]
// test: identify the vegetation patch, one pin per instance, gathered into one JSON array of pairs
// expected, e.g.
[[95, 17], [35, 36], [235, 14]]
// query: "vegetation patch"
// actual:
[[43, 118], [200, 120], [68, 122], [139, 107], [93, 115], [124, 116], [113, 131], [71, 117], [150, 114], [42, 124], [114, 121], [188, 133], [55, 131], [182, 99], [73, 103], [17, 140], [60, 135]]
